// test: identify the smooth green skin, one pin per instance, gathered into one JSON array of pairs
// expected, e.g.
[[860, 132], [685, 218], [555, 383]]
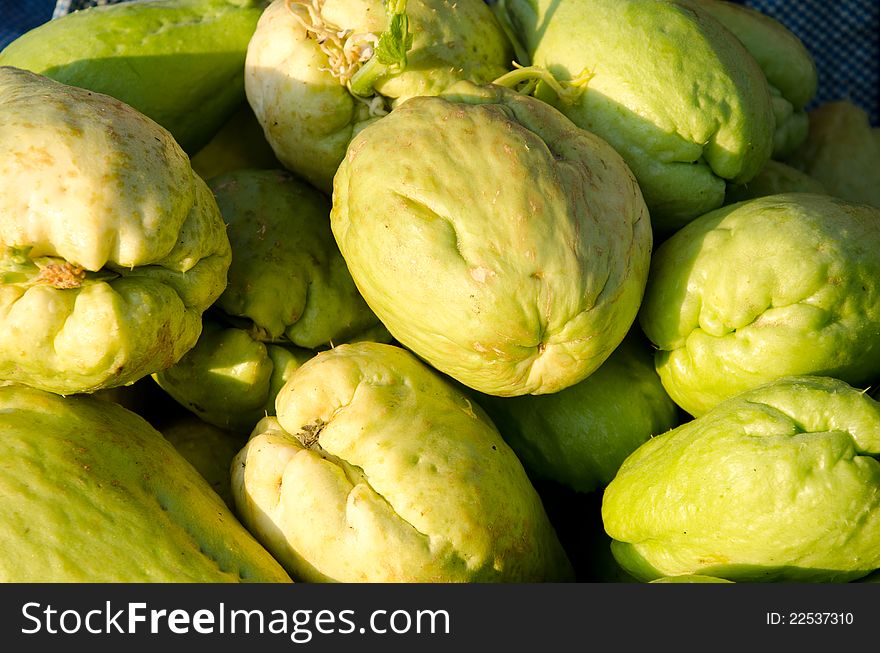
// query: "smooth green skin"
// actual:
[[672, 90], [775, 178], [238, 145], [786, 62], [87, 180], [287, 274], [92, 493], [781, 483], [229, 379], [309, 117], [528, 304], [207, 448], [179, 62], [779, 285], [404, 479], [580, 436], [842, 151]]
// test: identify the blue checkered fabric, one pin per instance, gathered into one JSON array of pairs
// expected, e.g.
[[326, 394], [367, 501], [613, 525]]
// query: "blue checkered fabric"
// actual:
[[66, 6], [19, 16], [844, 39]]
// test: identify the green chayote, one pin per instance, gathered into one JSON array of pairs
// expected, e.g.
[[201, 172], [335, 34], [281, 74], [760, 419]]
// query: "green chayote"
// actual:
[[229, 379], [110, 246], [507, 247], [376, 469], [287, 278], [579, 436], [779, 285], [779, 483], [315, 75], [92, 493], [675, 92]]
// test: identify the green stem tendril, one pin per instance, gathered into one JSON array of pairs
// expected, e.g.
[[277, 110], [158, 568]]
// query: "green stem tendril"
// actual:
[[530, 79], [389, 56]]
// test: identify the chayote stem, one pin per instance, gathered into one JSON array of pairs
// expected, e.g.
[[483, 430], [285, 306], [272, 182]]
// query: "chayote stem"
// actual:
[[390, 53], [533, 77]]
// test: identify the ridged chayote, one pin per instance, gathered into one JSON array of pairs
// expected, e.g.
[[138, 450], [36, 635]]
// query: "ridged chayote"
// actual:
[[493, 237], [376, 469], [675, 92], [304, 53], [775, 286], [775, 178], [92, 493], [786, 62], [780, 483], [110, 246]]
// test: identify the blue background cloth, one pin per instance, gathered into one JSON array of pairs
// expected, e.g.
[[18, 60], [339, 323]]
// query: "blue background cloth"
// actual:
[[842, 35]]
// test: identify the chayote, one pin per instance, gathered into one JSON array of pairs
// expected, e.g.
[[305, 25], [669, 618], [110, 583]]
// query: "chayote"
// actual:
[[579, 436], [780, 483], [207, 448], [842, 151], [786, 62], [110, 246], [779, 285], [288, 279], [507, 247], [669, 87], [238, 145], [229, 379], [315, 76], [92, 493], [376, 469], [179, 62]]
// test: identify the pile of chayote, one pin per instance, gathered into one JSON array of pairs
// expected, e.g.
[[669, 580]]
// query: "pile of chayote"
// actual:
[[434, 291]]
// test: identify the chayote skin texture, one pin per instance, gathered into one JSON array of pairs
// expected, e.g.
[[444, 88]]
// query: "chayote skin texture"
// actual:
[[177, 61], [287, 276], [92, 493], [675, 92], [110, 246], [579, 436], [779, 285], [378, 470], [786, 62], [780, 483], [507, 247], [228, 378], [309, 115]]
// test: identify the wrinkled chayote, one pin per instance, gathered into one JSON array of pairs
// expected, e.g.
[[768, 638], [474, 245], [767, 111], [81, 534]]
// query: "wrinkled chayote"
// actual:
[[376, 469], [779, 285], [110, 246], [92, 493], [673, 90], [494, 238], [775, 178], [780, 483], [786, 62], [317, 71]]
